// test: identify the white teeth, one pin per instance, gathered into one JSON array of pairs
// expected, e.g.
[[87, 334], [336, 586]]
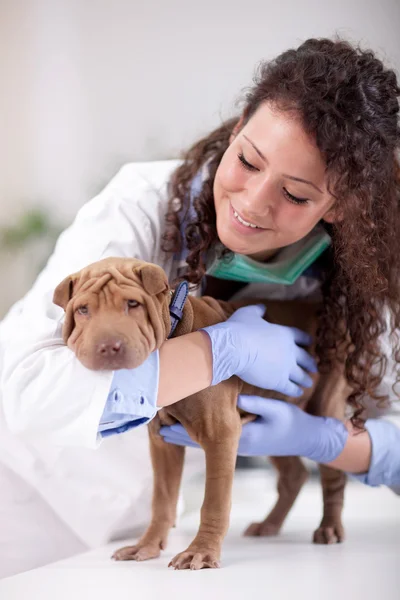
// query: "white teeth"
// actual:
[[239, 218]]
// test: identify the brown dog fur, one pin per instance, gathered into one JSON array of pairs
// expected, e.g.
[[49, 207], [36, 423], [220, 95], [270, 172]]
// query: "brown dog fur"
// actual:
[[107, 333]]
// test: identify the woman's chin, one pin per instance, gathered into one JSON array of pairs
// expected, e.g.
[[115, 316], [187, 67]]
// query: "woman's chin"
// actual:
[[231, 241]]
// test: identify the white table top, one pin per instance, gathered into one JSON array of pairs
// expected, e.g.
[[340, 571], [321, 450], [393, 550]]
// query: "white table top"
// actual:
[[366, 566]]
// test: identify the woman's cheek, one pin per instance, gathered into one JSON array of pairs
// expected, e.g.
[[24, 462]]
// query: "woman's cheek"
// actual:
[[231, 175], [299, 220], [289, 217], [234, 178]]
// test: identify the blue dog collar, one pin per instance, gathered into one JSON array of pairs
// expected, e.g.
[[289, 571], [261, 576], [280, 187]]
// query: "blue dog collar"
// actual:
[[177, 304]]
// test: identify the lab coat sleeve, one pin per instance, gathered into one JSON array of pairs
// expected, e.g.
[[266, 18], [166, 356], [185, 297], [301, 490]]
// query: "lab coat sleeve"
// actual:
[[385, 459], [132, 400], [46, 392]]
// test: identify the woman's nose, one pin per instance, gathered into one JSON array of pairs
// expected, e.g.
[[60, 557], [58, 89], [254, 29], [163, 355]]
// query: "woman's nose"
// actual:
[[258, 201]]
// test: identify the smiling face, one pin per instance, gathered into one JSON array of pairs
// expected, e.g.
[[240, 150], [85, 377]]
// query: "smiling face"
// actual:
[[272, 176]]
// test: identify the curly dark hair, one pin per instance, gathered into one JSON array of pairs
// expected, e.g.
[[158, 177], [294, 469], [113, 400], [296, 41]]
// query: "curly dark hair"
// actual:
[[348, 102]]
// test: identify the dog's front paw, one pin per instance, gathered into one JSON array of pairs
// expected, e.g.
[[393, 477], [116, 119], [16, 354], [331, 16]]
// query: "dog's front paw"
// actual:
[[263, 529], [138, 552], [330, 531], [196, 559]]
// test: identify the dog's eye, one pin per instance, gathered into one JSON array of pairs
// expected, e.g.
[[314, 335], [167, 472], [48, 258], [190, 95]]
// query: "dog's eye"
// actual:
[[82, 310], [132, 303]]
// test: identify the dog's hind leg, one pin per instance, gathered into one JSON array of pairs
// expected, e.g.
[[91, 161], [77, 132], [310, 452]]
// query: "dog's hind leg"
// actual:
[[292, 476], [329, 400], [331, 529], [167, 461]]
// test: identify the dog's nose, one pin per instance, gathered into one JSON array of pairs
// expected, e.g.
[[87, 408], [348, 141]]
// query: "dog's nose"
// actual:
[[110, 348]]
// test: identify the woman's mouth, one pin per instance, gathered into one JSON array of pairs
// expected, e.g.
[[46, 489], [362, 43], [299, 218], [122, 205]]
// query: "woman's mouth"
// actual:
[[243, 226]]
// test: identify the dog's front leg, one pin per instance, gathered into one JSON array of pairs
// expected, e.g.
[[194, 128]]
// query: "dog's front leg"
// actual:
[[221, 450], [167, 461]]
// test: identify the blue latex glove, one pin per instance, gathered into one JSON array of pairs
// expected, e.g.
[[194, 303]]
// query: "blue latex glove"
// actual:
[[260, 353], [282, 429]]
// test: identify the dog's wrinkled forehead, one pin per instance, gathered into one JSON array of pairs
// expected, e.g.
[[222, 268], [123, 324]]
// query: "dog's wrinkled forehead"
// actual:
[[123, 271], [94, 282], [97, 275]]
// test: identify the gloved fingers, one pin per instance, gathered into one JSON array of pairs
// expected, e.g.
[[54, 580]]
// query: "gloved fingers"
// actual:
[[305, 360], [256, 405], [301, 337], [300, 377], [256, 439], [254, 310], [176, 430], [180, 442], [177, 434], [248, 440], [289, 388]]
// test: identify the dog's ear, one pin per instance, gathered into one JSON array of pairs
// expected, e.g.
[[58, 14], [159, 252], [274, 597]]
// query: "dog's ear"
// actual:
[[63, 292], [153, 278], [62, 295]]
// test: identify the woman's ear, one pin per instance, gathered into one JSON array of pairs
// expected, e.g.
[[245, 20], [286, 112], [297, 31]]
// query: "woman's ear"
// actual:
[[333, 215]]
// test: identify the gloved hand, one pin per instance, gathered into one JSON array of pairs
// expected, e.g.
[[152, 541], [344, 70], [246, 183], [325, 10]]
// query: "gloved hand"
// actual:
[[260, 353], [281, 429]]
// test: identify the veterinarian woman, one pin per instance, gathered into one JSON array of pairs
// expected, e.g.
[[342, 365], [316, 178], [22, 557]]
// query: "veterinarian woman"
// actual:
[[302, 191]]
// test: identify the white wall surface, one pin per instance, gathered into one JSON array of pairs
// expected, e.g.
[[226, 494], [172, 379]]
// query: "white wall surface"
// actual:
[[90, 84]]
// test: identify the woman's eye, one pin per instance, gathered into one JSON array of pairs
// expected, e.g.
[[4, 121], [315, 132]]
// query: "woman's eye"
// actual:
[[245, 163], [294, 199], [82, 310], [132, 303]]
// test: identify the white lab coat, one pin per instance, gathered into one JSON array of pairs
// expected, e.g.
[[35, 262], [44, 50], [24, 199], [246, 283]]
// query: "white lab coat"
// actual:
[[50, 405]]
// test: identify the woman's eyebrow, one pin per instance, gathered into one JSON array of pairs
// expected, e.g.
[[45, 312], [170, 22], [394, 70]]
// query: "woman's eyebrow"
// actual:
[[255, 148], [284, 174]]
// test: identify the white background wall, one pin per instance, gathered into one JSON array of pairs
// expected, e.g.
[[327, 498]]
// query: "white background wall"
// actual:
[[87, 85]]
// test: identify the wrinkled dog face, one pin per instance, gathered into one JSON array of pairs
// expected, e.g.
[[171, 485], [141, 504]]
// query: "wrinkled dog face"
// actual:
[[116, 312]]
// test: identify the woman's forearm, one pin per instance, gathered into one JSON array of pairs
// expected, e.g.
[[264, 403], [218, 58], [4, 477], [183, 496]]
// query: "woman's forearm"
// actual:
[[244, 345], [356, 455], [185, 367]]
